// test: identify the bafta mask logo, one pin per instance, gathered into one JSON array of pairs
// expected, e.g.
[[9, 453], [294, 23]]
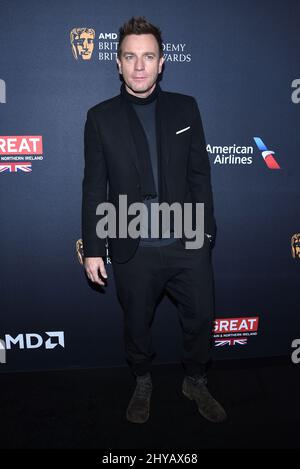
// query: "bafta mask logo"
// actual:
[[80, 253], [295, 245], [82, 42]]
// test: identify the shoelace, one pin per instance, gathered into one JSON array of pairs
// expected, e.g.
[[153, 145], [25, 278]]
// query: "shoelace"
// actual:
[[143, 388], [198, 379]]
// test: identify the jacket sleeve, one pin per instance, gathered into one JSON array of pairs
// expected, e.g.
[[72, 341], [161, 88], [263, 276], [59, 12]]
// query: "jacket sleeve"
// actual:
[[199, 178], [94, 189]]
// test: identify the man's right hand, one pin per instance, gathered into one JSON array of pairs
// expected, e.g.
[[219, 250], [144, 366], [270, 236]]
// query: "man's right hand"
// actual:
[[92, 267]]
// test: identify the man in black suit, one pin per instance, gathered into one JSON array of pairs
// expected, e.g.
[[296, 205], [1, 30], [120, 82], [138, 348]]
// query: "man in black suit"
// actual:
[[149, 145]]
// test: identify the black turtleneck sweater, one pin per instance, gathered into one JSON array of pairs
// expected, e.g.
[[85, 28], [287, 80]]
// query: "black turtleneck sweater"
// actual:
[[145, 109]]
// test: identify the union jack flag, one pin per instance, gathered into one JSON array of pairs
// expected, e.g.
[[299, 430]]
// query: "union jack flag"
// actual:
[[221, 343], [14, 167]]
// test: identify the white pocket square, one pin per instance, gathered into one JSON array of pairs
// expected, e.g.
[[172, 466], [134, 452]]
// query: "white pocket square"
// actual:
[[183, 130]]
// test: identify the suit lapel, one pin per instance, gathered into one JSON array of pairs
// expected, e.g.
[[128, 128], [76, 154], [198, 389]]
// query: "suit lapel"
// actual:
[[127, 138], [166, 130], [165, 133]]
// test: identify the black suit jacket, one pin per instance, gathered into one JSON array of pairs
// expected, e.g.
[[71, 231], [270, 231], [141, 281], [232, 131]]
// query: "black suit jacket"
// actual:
[[111, 166]]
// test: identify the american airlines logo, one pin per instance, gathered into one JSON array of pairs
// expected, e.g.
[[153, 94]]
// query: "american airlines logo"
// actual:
[[268, 155], [234, 155], [49, 340]]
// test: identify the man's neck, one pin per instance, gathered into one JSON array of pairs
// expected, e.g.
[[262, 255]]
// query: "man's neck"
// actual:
[[143, 94], [136, 99]]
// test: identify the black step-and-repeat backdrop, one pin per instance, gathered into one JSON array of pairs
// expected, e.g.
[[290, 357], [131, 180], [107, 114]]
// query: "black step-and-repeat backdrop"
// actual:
[[240, 60]]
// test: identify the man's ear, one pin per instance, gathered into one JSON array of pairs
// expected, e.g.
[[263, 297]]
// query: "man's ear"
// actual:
[[119, 66], [160, 64]]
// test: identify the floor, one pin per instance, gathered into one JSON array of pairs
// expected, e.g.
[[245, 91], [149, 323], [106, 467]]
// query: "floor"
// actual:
[[85, 409]]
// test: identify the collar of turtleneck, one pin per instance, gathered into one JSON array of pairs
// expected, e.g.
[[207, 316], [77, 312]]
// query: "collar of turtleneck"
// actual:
[[136, 100]]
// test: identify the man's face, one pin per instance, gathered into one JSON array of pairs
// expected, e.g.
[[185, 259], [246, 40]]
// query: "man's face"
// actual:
[[140, 63], [85, 45]]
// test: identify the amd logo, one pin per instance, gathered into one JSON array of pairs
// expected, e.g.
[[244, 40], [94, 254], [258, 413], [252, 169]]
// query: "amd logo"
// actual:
[[31, 340], [108, 36], [2, 92]]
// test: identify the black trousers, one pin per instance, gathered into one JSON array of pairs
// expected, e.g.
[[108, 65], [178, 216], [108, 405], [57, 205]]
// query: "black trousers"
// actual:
[[186, 274]]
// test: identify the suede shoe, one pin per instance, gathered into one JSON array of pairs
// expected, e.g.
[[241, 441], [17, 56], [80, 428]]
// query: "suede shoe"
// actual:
[[138, 409], [194, 388]]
